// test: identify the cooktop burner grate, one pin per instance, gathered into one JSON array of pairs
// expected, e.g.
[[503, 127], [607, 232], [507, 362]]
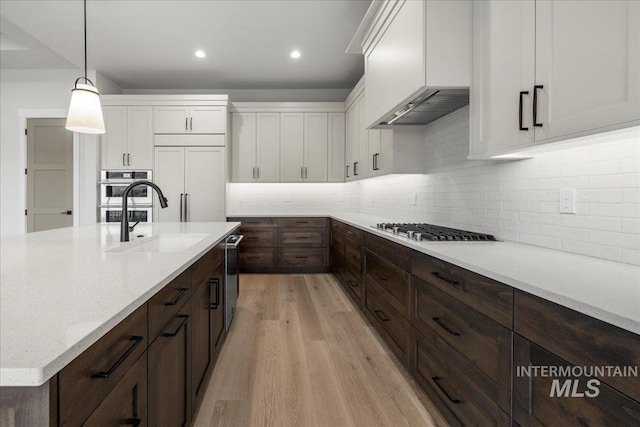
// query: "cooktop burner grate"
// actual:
[[430, 232]]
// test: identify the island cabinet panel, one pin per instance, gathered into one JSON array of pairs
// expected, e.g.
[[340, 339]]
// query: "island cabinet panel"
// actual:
[[202, 322], [87, 380], [169, 379], [491, 298], [579, 339], [478, 346], [588, 404], [455, 395], [127, 402], [216, 306], [164, 305]]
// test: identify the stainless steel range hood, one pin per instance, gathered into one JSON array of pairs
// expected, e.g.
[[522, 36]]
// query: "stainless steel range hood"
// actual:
[[429, 105]]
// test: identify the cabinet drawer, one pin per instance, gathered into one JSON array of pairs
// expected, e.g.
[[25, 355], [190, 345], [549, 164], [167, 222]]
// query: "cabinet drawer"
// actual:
[[85, 382], [391, 278], [337, 244], [255, 222], [395, 253], [491, 298], [259, 238], [256, 258], [203, 268], [302, 237], [354, 256], [127, 400], [393, 326], [533, 406], [354, 283], [312, 258], [166, 303], [302, 222], [355, 234], [579, 339], [477, 345], [338, 227], [457, 397]]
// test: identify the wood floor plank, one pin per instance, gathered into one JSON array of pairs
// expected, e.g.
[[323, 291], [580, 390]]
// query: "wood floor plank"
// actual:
[[266, 394], [310, 325]]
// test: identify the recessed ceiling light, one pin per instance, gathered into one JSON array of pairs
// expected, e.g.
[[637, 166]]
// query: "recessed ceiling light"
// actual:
[[295, 54], [200, 54]]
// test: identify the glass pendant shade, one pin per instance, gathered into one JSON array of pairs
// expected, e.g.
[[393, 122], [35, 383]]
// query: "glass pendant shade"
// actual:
[[85, 112]]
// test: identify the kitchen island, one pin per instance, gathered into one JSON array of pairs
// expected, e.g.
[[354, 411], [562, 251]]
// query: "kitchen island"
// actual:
[[63, 290]]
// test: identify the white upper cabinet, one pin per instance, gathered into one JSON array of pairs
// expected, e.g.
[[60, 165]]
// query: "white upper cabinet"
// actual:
[[243, 147], [361, 167], [128, 140], [190, 120], [291, 147], [412, 45], [353, 136], [268, 147], [547, 71], [316, 139], [336, 147]]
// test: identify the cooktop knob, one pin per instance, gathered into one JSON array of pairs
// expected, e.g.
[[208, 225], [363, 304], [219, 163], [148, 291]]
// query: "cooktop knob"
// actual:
[[410, 234], [418, 237], [395, 230]]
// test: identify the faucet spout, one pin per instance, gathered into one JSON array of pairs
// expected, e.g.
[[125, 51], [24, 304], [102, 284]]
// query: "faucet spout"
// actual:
[[124, 221]]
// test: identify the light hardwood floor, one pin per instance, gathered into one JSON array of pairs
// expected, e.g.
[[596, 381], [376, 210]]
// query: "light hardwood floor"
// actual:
[[299, 353]]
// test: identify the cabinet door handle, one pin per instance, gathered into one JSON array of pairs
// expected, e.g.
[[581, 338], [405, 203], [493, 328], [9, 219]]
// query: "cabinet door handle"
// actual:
[[186, 209], [535, 105], [190, 123], [135, 421], [123, 162], [186, 123], [347, 171], [257, 172], [182, 293], [301, 257], [181, 205], [444, 279], [520, 110], [355, 168], [184, 318], [381, 315], [381, 277], [301, 172], [437, 381], [302, 222], [306, 173], [106, 374], [302, 237], [352, 283], [216, 303], [445, 327], [128, 159], [375, 161]]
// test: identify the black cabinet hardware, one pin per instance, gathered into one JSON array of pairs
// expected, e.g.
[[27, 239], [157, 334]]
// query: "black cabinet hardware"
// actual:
[[535, 105], [106, 374], [520, 108], [444, 279], [445, 327], [216, 303], [381, 315], [180, 326], [381, 277], [183, 291], [352, 283], [437, 381]]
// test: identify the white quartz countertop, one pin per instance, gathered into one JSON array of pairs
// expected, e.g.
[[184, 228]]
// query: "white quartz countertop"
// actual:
[[61, 290]]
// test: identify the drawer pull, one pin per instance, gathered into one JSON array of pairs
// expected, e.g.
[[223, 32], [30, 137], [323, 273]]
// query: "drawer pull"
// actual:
[[353, 256], [301, 257], [216, 282], [302, 237], [183, 291], [352, 283], [302, 222], [437, 381], [381, 315], [444, 279], [381, 277], [349, 232], [254, 257], [133, 421], [253, 222], [180, 326], [107, 374], [445, 327]]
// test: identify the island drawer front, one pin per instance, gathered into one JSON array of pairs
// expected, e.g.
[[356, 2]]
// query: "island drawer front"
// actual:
[[457, 397], [393, 280], [355, 234], [393, 252], [84, 383], [203, 268], [338, 227], [354, 256], [491, 298], [533, 404], [354, 283], [479, 346], [260, 238], [255, 222], [302, 237], [393, 327], [249, 258], [579, 339], [303, 257], [127, 400], [302, 222], [166, 303]]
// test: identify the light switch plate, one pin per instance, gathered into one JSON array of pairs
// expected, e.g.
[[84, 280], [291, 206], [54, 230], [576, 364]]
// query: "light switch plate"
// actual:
[[568, 201]]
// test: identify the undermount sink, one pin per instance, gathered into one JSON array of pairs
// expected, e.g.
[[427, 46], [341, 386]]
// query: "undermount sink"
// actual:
[[162, 243]]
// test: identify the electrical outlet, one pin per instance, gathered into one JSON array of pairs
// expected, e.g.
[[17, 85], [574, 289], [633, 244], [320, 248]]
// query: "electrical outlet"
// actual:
[[568, 201]]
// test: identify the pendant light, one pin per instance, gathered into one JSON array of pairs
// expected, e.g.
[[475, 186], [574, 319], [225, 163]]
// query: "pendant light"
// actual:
[[85, 111]]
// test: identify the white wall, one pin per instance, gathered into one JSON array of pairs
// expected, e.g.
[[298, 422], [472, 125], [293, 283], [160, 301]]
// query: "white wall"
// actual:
[[259, 95], [37, 89]]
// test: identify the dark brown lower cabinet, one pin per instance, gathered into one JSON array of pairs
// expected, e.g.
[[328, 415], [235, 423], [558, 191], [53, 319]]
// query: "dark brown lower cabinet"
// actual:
[[217, 310], [541, 400], [461, 402], [201, 306], [170, 373], [126, 404]]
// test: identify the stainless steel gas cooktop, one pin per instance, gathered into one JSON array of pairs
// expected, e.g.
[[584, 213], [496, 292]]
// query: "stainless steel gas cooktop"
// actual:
[[429, 232]]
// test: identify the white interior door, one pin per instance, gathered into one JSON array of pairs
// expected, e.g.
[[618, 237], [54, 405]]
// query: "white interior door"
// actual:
[[316, 138], [205, 184], [268, 146], [291, 147], [169, 176], [49, 175]]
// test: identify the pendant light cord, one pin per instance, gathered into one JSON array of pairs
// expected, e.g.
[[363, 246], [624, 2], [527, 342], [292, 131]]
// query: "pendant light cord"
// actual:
[[85, 39]]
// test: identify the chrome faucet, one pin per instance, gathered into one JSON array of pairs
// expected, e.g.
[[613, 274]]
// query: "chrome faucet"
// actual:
[[124, 221]]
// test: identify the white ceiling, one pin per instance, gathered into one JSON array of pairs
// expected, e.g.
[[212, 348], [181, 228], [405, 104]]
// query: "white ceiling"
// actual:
[[150, 44]]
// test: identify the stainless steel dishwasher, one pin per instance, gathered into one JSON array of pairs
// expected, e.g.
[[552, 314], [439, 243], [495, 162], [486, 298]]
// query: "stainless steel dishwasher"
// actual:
[[232, 284]]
